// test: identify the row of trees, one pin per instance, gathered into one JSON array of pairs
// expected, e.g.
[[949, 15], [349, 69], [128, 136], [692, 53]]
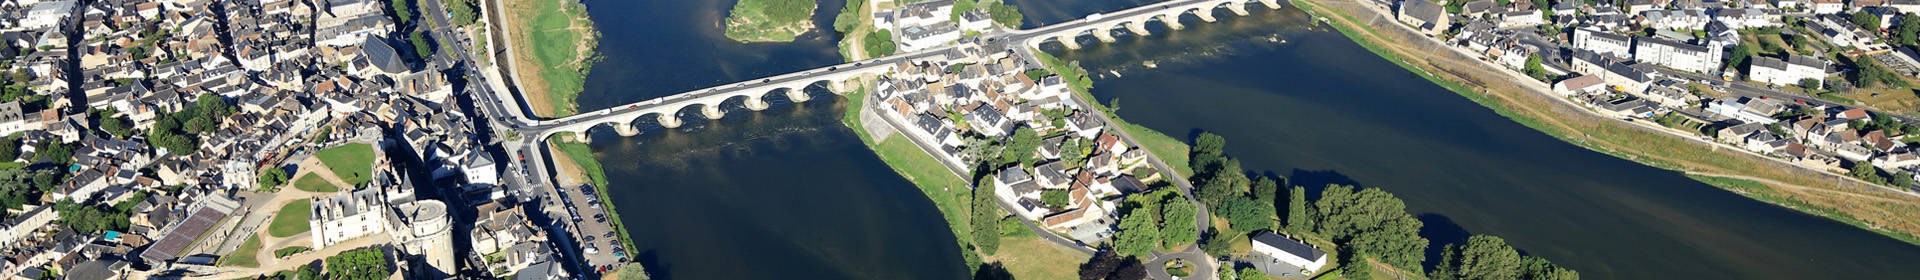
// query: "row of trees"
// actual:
[[1363, 223], [1489, 257]]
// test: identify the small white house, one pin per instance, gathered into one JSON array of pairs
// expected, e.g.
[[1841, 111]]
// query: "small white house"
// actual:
[[1289, 251]]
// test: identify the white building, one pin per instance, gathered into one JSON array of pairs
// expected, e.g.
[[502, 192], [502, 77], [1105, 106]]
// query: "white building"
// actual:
[[426, 233], [26, 223], [976, 21], [347, 216], [914, 38], [1676, 55], [1289, 251], [1787, 72], [480, 169], [47, 14], [1822, 7], [1746, 18], [1740, 111], [1602, 42], [1676, 19]]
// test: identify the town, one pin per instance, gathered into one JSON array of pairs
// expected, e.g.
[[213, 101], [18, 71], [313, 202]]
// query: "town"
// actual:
[[254, 138], [1760, 76]]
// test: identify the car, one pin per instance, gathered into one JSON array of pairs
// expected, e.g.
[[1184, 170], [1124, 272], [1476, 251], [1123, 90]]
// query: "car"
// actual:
[[592, 250], [609, 234], [594, 204], [589, 238], [598, 216]]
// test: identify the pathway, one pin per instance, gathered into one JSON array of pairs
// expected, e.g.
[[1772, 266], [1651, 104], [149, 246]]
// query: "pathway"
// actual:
[[297, 260]]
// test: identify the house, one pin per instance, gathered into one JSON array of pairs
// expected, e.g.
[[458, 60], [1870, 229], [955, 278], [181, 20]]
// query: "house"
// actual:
[[1787, 72], [1475, 9], [1734, 134], [1630, 78], [1676, 55], [1425, 16], [1579, 85], [347, 216], [1821, 7], [1746, 18], [47, 14], [1527, 18], [1290, 252], [1748, 111], [1675, 19], [1630, 107]]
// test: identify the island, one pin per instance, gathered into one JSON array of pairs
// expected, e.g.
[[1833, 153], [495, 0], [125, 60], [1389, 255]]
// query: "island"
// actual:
[[757, 21]]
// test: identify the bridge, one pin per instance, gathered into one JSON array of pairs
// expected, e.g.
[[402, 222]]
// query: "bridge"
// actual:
[[665, 110], [1102, 26]]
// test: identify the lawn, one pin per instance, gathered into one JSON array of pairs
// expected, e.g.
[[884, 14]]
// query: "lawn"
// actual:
[[948, 191], [1028, 257], [290, 250], [246, 255], [292, 219], [769, 20], [353, 162], [313, 183], [555, 43]]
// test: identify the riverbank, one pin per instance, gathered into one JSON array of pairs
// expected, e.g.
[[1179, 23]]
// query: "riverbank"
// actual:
[[1808, 191], [552, 48], [1170, 149], [581, 167], [757, 21]]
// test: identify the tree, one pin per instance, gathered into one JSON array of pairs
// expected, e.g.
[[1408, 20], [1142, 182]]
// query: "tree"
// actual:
[[879, 43], [1739, 56], [1908, 30], [9, 149], [421, 45], [54, 151], [986, 220], [1054, 197], [977, 151], [1005, 14], [1866, 172], [1177, 216], [1298, 220], [402, 11], [1247, 215], [849, 16], [1139, 234], [1536, 268], [1484, 257], [274, 177], [1266, 190], [1022, 148], [1249, 273], [464, 11], [1809, 84], [1216, 244], [1209, 143], [118, 126], [1866, 20], [1533, 68], [1371, 221], [1105, 265], [1074, 151]]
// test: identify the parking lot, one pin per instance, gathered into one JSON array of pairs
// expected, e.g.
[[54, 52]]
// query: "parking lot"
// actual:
[[580, 210]]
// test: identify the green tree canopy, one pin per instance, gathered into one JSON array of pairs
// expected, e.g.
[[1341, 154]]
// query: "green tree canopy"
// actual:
[[1177, 224]]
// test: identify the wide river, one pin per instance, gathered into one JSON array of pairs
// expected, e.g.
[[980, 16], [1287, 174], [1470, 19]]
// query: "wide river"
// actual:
[[790, 193]]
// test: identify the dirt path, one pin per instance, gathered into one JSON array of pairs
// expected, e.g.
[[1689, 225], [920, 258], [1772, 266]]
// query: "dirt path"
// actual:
[[297, 260], [313, 166]]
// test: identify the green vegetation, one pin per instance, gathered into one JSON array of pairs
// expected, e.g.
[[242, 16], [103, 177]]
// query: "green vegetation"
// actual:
[[290, 250], [1489, 257], [402, 11], [359, 264], [1005, 14], [849, 16], [304, 272], [20, 186], [274, 177], [1139, 234], [1054, 197], [879, 43], [1905, 33], [246, 256], [1113, 265], [769, 20], [986, 224], [465, 12], [632, 271], [582, 157], [1871, 74], [313, 183], [352, 162], [422, 47], [1866, 20], [553, 47], [291, 220], [179, 132], [1029, 257], [92, 218], [949, 192]]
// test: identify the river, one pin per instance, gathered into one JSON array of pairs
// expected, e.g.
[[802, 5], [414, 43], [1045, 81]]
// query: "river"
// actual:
[[790, 193], [785, 193], [1320, 109]]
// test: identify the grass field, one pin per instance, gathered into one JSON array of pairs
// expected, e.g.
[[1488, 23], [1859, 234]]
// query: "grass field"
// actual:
[[313, 183], [353, 162], [769, 20], [554, 44], [1028, 257], [948, 192], [246, 255], [291, 220], [1879, 211]]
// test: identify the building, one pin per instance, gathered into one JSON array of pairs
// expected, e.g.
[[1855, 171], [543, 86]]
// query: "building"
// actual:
[[1787, 72], [914, 38], [1289, 251], [347, 216], [1676, 55], [47, 14], [1426, 16], [425, 233], [1821, 7], [1603, 42]]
